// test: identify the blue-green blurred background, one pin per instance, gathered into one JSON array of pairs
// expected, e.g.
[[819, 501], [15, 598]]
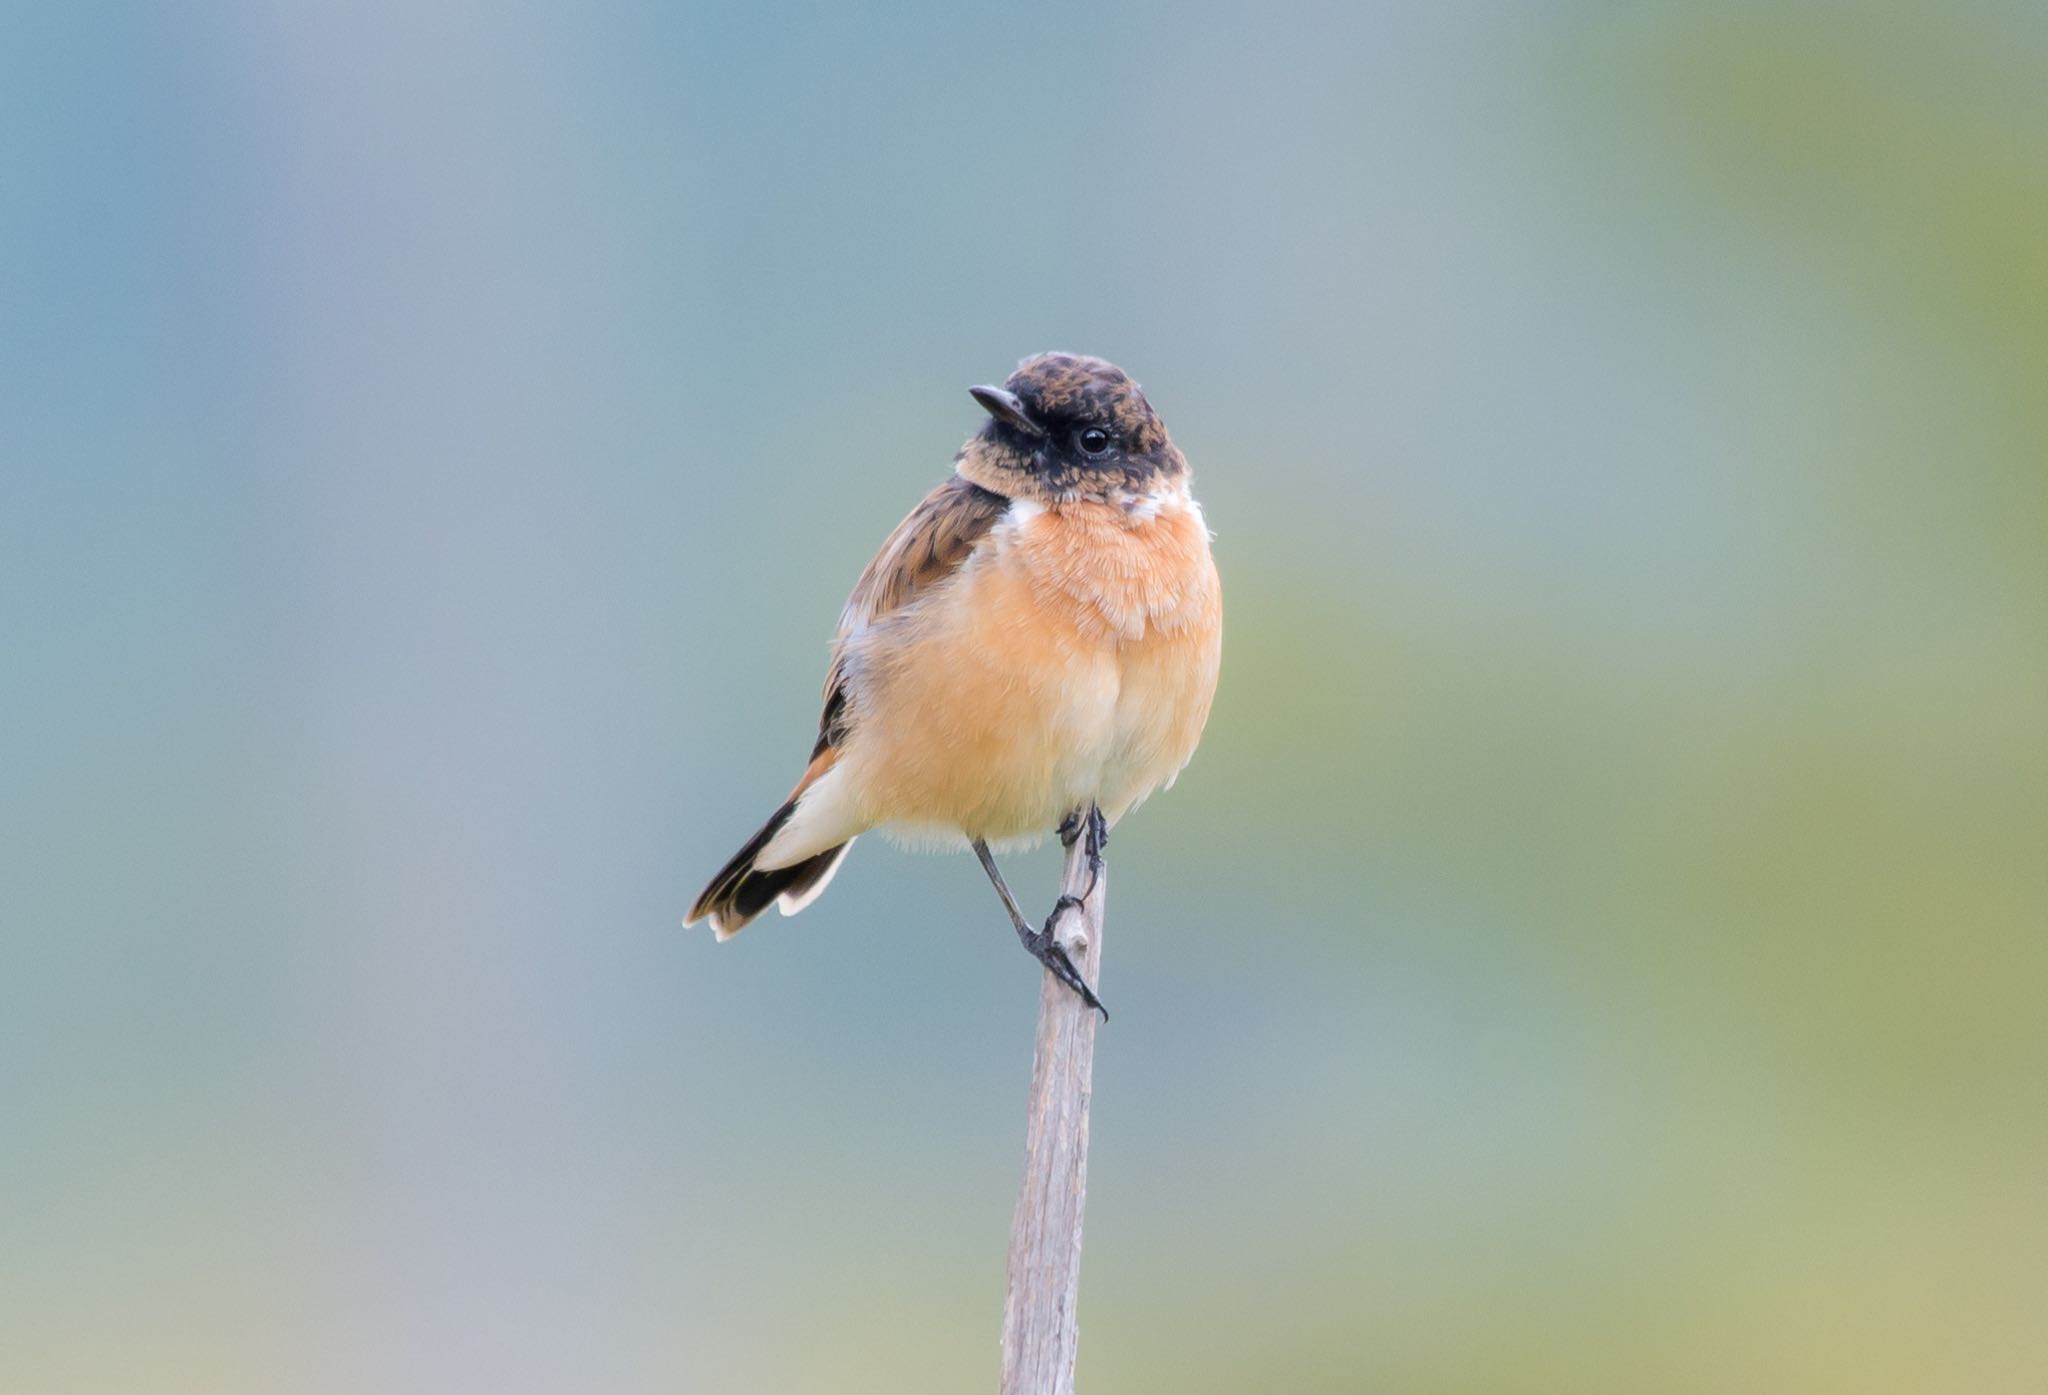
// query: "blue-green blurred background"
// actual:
[[1602, 945]]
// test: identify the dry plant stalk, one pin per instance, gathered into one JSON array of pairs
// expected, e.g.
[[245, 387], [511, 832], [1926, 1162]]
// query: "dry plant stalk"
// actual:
[[1041, 1330]]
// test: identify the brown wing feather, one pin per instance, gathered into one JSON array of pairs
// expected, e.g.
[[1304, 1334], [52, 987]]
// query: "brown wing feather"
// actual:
[[926, 548]]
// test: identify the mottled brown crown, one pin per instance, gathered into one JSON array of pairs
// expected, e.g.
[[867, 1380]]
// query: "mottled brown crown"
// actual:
[[1070, 388]]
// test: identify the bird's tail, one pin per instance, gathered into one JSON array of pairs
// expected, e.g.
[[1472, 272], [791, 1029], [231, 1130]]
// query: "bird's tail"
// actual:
[[742, 890]]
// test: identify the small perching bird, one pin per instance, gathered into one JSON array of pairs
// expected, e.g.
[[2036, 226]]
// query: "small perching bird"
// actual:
[[1033, 649]]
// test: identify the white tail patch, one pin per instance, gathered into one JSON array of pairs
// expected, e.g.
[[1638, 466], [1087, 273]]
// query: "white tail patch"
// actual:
[[790, 904], [824, 817]]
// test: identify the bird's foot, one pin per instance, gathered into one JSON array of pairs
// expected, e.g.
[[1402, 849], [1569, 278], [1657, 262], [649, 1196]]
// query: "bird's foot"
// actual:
[[1046, 948], [1093, 822]]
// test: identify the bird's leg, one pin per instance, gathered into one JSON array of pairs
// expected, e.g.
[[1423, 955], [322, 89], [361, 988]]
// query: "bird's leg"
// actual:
[[1042, 945]]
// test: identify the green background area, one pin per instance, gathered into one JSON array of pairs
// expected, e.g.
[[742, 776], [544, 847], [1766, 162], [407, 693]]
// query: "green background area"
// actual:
[[1602, 945]]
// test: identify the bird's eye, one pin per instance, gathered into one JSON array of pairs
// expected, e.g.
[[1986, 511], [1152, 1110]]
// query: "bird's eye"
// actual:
[[1094, 441]]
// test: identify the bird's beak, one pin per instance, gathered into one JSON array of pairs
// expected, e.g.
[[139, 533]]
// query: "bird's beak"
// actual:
[[1002, 404]]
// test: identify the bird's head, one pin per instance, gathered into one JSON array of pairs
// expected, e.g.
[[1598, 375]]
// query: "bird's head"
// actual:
[[1066, 426]]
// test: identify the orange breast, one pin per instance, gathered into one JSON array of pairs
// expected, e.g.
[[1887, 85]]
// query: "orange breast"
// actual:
[[1072, 659]]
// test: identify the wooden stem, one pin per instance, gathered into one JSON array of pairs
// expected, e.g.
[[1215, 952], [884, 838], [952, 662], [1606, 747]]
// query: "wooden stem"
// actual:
[[1041, 1332]]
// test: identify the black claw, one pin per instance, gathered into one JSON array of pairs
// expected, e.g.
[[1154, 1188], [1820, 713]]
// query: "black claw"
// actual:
[[1062, 968]]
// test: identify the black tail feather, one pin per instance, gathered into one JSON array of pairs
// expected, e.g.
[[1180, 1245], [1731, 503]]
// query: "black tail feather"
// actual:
[[741, 891]]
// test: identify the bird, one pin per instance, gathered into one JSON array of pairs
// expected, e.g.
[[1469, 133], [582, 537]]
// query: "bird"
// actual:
[[1033, 650]]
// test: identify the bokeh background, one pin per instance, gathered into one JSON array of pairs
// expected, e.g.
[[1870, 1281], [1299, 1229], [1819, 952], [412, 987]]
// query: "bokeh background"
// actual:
[[1599, 948]]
